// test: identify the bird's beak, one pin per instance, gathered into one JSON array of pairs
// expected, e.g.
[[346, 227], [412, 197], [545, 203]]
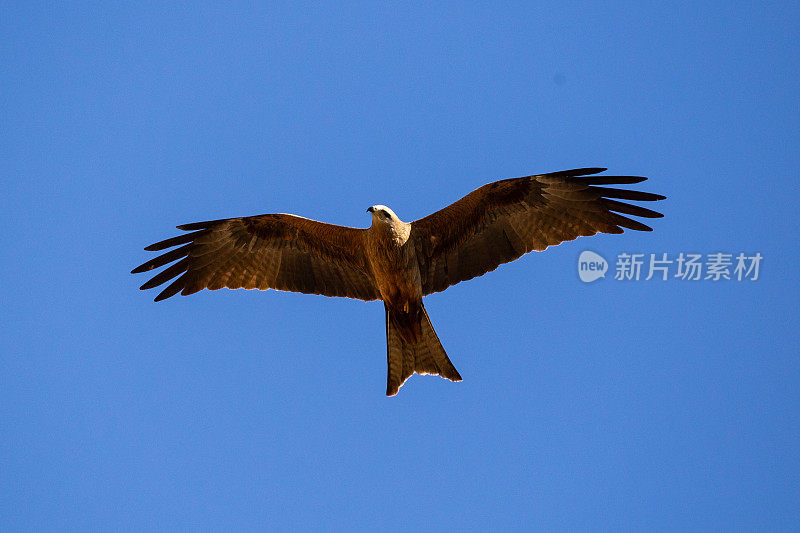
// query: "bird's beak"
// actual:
[[370, 209]]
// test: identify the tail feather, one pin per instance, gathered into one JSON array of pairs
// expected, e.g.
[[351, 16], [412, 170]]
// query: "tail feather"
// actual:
[[404, 357]]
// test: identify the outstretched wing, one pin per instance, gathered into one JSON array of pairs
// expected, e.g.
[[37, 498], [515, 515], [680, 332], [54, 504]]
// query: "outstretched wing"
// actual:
[[501, 221], [275, 251]]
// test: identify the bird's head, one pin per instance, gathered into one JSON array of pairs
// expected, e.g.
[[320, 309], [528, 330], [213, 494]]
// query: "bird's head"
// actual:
[[382, 214]]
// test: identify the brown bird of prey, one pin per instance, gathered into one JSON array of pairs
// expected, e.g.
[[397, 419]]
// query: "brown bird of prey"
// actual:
[[400, 262]]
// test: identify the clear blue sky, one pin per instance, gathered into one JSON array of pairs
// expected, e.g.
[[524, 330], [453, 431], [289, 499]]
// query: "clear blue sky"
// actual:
[[612, 405]]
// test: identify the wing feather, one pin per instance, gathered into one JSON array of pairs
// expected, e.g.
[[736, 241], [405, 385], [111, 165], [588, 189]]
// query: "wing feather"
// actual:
[[174, 241], [501, 221], [274, 251]]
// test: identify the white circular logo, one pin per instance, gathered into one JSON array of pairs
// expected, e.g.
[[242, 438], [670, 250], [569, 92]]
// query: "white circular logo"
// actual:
[[591, 266]]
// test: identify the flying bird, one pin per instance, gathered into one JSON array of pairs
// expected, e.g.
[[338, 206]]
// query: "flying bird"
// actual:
[[400, 262]]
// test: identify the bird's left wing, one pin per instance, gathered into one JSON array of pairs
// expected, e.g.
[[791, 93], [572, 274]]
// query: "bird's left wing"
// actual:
[[501, 221], [274, 251]]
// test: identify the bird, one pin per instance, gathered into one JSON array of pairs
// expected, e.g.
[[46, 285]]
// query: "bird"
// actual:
[[400, 262]]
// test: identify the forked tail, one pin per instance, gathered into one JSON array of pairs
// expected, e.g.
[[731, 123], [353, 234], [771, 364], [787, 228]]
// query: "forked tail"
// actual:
[[413, 346]]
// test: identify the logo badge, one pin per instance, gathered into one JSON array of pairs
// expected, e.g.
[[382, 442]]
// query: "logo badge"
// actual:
[[591, 266]]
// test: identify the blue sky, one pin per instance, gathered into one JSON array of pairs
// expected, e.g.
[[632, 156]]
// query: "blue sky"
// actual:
[[613, 405]]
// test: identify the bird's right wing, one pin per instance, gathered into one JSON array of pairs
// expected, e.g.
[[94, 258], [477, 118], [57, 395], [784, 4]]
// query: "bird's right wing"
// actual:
[[501, 221], [274, 251]]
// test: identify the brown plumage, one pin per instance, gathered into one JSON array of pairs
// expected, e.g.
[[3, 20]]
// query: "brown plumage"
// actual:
[[400, 262]]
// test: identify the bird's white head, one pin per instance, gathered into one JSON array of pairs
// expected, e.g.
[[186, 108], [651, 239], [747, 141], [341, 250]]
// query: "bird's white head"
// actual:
[[382, 214]]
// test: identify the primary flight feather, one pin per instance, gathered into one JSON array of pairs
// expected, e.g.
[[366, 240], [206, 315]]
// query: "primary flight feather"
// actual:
[[400, 262]]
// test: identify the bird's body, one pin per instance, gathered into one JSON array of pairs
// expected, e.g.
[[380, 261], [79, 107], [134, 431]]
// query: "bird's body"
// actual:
[[395, 261], [391, 257], [412, 344]]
